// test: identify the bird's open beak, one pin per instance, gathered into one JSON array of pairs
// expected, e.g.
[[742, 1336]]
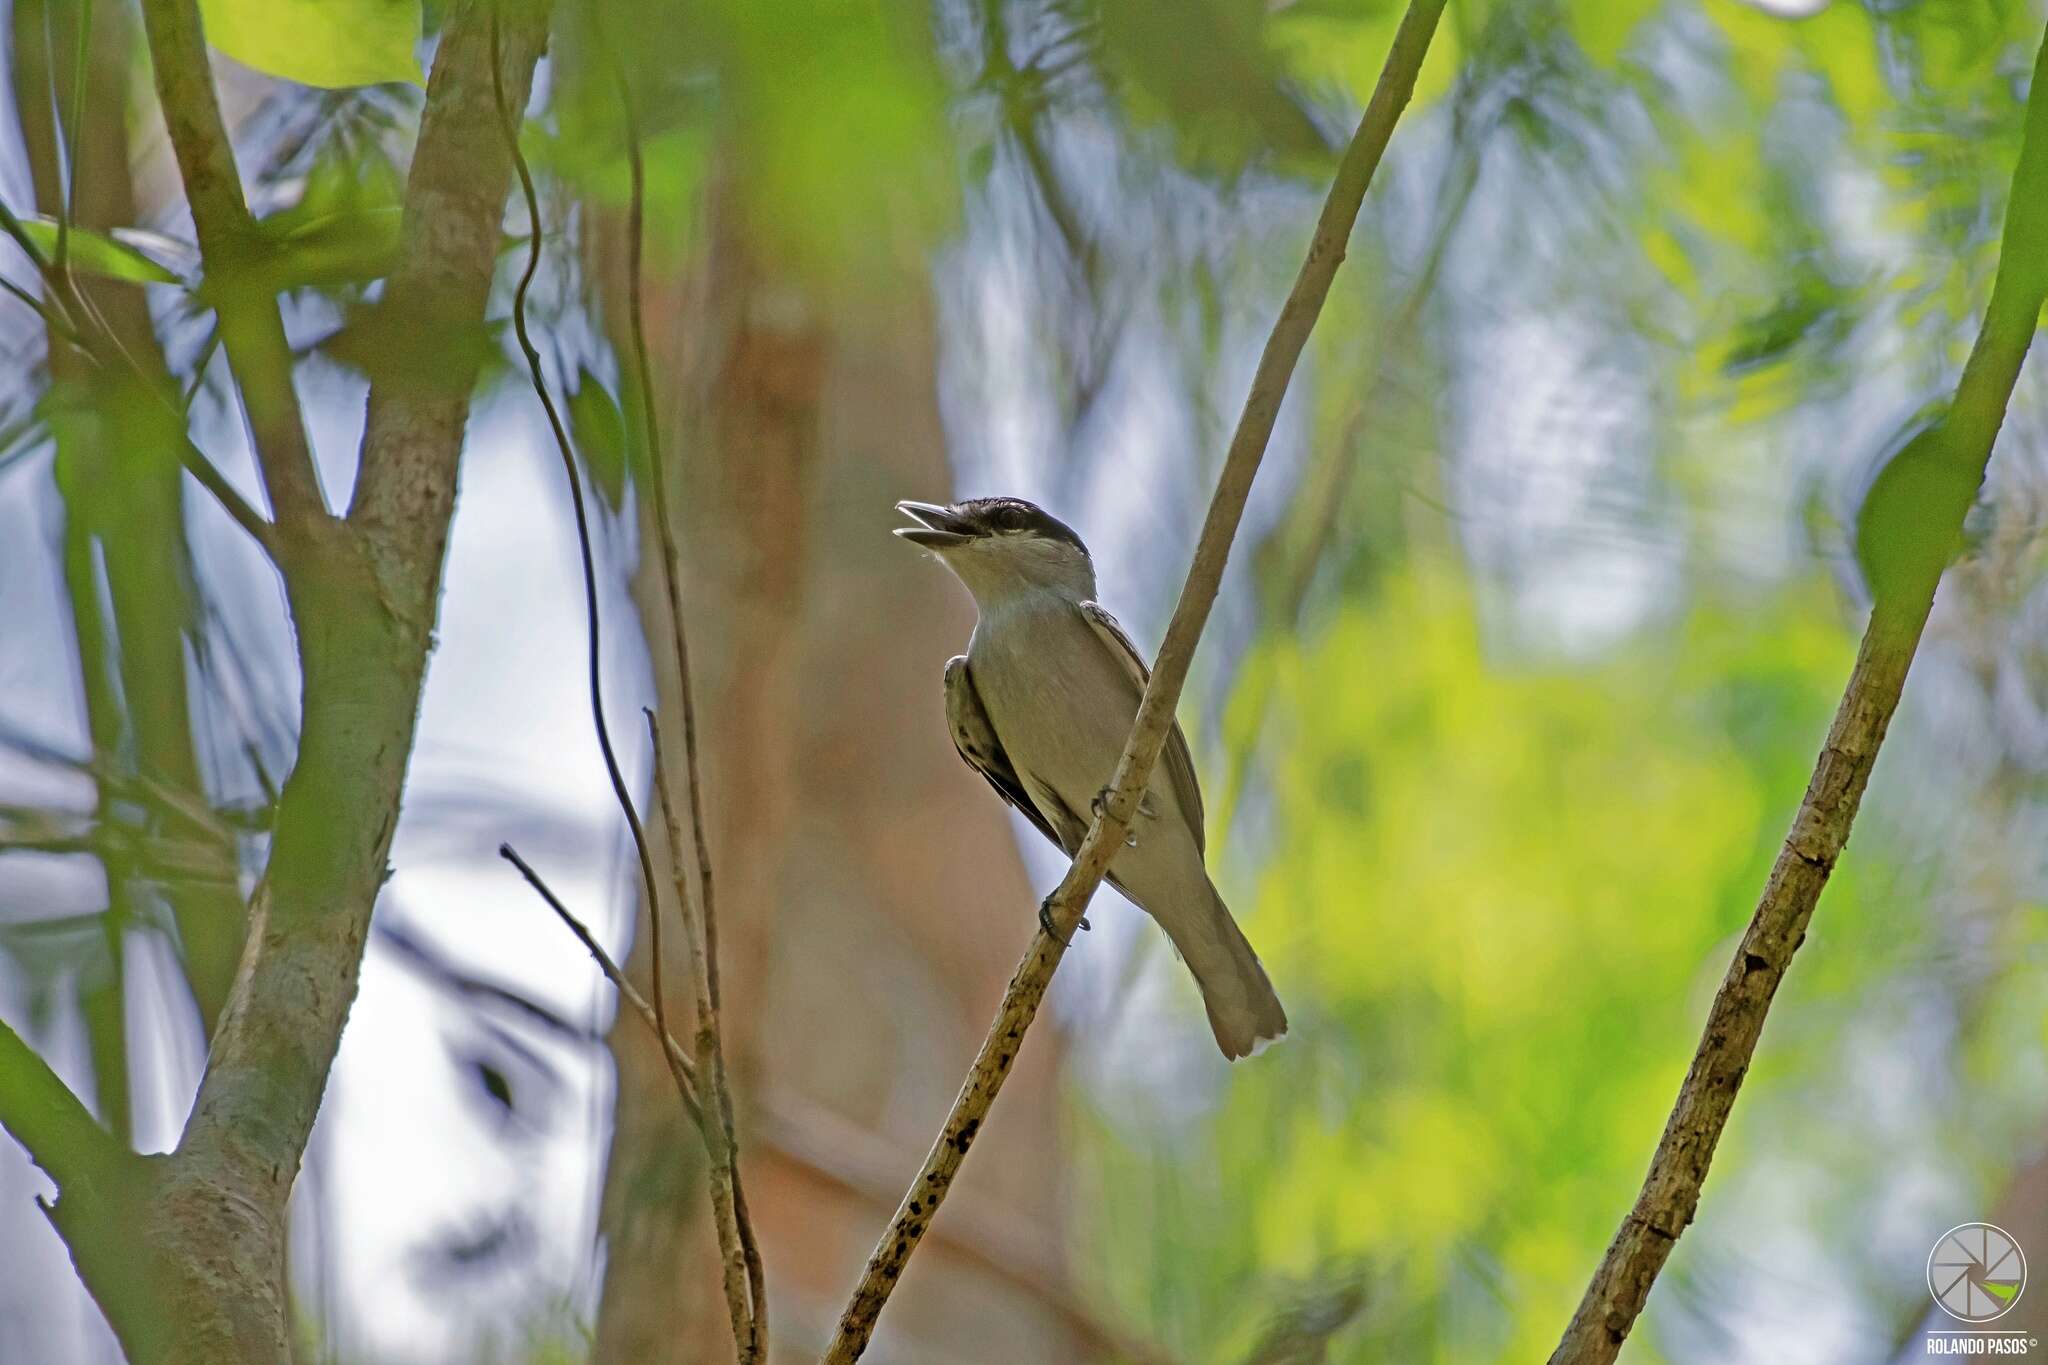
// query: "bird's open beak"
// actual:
[[942, 528]]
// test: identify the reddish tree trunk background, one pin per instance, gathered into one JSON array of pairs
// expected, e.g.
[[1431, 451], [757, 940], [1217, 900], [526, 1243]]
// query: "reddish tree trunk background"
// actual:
[[871, 899]]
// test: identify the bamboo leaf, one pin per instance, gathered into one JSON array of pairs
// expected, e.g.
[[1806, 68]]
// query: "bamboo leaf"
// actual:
[[100, 253]]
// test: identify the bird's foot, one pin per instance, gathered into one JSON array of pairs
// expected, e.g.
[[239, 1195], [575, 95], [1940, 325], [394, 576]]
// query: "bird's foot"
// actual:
[[1145, 808], [1045, 922]]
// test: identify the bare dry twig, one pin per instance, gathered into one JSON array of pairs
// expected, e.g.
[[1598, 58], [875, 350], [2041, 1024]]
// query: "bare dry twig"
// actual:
[[1671, 1191], [1155, 713]]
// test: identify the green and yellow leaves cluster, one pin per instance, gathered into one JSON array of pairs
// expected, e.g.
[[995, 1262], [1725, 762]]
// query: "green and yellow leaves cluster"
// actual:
[[1496, 900]]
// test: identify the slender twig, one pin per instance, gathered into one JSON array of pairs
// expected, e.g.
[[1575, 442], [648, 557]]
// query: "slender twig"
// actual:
[[715, 1124], [679, 1064], [238, 508], [672, 584], [52, 318], [69, 310], [251, 325], [1671, 1190], [1155, 713], [644, 379], [200, 361], [11, 224], [74, 117], [508, 123], [722, 1170]]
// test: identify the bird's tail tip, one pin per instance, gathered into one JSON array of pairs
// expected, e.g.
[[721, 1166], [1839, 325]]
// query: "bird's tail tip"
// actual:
[[1248, 1026], [1244, 1011]]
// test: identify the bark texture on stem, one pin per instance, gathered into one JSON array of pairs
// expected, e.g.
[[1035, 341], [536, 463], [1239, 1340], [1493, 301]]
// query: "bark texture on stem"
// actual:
[[1156, 711], [362, 595], [1952, 461]]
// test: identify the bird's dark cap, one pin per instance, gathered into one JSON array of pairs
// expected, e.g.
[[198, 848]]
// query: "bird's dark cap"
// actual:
[[963, 521]]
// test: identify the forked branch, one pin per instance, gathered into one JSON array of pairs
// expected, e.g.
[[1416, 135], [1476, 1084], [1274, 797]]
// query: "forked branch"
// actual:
[[1155, 713], [1951, 467]]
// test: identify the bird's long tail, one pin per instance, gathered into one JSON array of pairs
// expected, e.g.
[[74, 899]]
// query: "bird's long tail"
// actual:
[[1243, 1010]]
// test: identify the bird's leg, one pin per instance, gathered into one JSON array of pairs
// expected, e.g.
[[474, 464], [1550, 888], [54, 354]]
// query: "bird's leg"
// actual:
[[1145, 808], [1045, 922]]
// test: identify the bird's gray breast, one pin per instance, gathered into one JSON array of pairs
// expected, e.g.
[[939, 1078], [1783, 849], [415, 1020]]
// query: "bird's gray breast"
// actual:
[[1058, 700]]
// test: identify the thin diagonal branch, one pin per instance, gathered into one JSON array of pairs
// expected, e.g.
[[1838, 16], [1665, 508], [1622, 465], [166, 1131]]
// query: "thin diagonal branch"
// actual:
[[679, 1064], [99, 1183], [232, 502], [1155, 713], [251, 327], [594, 656], [1954, 462]]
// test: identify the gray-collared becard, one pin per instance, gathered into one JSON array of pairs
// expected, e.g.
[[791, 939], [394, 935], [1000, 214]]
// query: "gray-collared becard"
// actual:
[[1041, 705]]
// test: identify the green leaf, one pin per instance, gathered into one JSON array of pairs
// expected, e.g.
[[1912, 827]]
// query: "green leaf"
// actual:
[[600, 434], [1910, 524], [327, 43], [99, 253], [348, 246]]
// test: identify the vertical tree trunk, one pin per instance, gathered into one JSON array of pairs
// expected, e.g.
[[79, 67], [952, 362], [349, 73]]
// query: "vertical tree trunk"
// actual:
[[844, 830]]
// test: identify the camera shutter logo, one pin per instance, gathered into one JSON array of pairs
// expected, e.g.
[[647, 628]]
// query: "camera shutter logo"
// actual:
[[1976, 1272]]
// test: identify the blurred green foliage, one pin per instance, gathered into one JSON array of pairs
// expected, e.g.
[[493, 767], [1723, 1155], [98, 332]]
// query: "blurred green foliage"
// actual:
[[1495, 900], [1495, 885], [1498, 890], [827, 123]]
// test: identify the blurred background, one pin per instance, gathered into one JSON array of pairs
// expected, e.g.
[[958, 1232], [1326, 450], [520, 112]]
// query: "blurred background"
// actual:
[[1542, 602]]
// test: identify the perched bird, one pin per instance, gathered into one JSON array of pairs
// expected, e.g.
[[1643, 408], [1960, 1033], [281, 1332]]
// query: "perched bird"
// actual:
[[1041, 705]]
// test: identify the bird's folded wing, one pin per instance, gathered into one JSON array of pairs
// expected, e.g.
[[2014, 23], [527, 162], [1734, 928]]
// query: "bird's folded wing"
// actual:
[[1174, 758], [975, 737]]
